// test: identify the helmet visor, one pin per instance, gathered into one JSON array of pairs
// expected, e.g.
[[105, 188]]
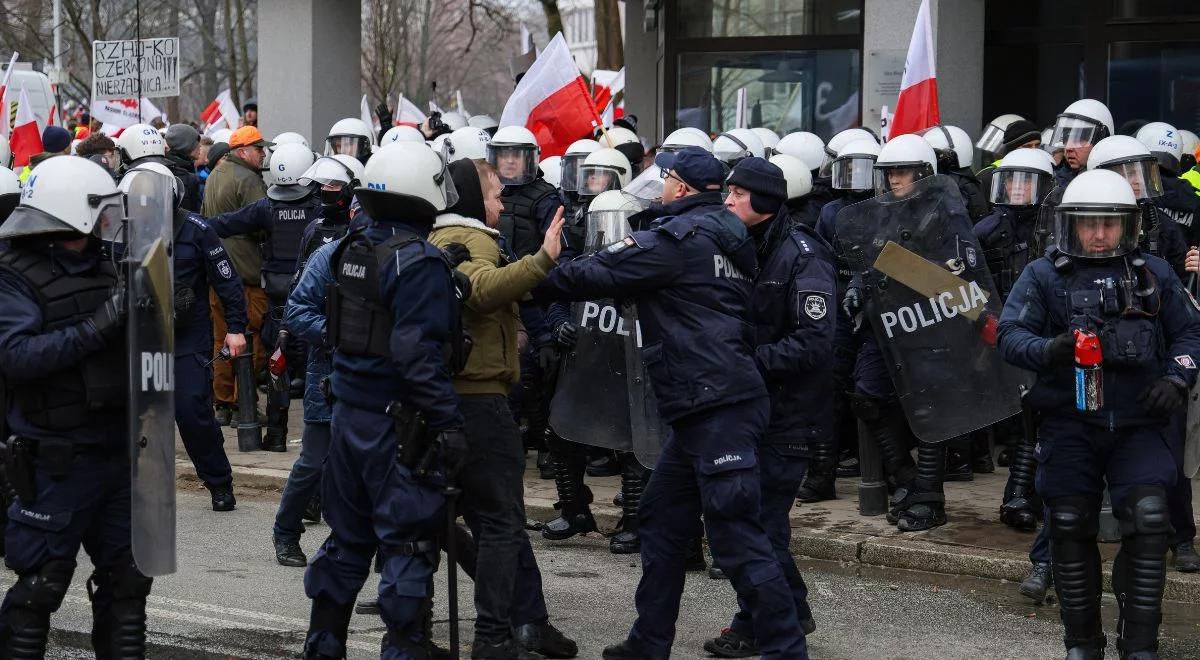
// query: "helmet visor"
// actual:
[[606, 227], [517, 164], [1142, 175], [444, 180], [595, 179], [991, 140], [729, 149], [327, 171], [110, 217], [1019, 187], [853, 173], [354, 146], [1070, 132], [1096, 233], [648, 185], [570, 171], [898, 180]]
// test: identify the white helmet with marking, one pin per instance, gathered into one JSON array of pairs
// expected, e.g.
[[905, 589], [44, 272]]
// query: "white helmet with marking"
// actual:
[[66, 194]]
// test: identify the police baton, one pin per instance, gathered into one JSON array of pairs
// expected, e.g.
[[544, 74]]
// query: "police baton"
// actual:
[[452, 492]]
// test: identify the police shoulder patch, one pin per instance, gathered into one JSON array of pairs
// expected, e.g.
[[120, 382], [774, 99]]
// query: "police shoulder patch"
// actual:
[[970, 255], [815, 307], [225, 269], [1185, 361], [626, 242]]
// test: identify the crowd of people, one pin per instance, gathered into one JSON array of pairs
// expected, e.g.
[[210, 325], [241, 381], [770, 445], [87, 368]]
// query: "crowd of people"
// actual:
[[442, 300]]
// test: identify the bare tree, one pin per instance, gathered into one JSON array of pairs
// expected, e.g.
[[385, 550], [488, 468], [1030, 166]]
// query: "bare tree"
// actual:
[[610, 53], [554, 23]]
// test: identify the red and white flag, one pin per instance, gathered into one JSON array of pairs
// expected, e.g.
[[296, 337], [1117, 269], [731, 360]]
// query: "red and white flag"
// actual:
[[552, 101], [605, 87], [407, 112], [221, 113], [118, 114], [26, 140], [368, 117], [4, 86], [917, 107]]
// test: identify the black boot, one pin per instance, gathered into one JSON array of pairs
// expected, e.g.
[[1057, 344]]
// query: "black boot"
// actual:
[[819, 483], [1074, 523], [604, 465], [1186, 559], [981, 453], [623, 651], [925, 505], [1038, 582], [573, 496], [633, 482], [543, 638], [223, 499], [288, 553], [119, 611], [1018, 510], [1140, 570], [958, 460]]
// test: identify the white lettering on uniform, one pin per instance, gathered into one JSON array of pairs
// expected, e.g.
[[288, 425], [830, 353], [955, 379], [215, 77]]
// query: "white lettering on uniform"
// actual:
[[722, 267], [158, 372], [934, 310], [357, 271]]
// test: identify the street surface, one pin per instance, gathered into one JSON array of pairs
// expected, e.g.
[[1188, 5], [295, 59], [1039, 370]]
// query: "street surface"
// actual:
[[231, 600]]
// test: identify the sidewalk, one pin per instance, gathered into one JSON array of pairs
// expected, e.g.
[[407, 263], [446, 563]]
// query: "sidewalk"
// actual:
[[973, 542]]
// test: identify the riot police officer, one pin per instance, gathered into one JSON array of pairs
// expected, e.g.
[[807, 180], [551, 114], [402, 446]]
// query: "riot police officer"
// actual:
[[1097, 287], [1084, 123], [953, 148], [141, 143], [350, 136], [62, 350], [691, 277], [393, 316], [811, 151], [793, 313], [1179, 200], [282, 216]]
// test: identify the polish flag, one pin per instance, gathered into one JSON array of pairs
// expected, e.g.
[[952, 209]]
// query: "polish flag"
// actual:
[[221, 110], [3, 88], [368, 117], [407, 112], [917, 107], [552, 101], [605, 87], [26, 140]]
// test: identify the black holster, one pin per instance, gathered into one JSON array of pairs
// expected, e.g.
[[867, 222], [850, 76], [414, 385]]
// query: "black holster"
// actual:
[[413, 446], [22, 457]]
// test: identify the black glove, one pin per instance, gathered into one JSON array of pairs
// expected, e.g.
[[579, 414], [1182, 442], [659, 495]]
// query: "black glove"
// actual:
[[1061, 349], [1162, 397], [454, 450], [547, 358], [110, 318], [852, 301], [385, 115], [566, 334], [456, 253]]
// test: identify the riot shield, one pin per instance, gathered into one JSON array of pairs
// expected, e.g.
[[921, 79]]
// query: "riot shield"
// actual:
[[151, 334], [933, 308], [591, 400], [647, 430]]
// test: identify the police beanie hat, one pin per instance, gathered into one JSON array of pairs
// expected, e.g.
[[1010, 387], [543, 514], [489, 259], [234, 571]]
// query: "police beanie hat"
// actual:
[[55, 139], [1019, 132], [182, 139], [764, 180]]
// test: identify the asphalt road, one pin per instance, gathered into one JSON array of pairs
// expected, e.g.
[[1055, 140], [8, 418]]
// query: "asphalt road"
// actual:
[[231, 600]]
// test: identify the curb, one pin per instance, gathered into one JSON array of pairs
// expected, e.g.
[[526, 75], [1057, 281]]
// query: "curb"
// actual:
[[906, 553]]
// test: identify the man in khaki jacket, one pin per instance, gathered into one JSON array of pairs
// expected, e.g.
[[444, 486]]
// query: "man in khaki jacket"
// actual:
[[508, 589]]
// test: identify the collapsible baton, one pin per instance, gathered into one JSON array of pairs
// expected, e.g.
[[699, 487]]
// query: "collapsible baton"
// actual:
[[249, 431], [452, 494]]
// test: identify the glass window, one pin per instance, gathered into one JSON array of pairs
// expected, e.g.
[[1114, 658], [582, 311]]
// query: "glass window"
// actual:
[[785, 91], [1000, 14], [1049, 77], [1155, 81], [1154, 8], [764, 18]]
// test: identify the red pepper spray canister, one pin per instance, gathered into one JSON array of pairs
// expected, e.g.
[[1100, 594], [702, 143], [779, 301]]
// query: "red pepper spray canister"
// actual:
[[1089, 382]]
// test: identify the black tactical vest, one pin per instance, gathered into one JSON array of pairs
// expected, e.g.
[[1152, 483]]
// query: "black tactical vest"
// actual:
[[288, 221], [517, 222], [69, 398], [359, 321], [322, 233]]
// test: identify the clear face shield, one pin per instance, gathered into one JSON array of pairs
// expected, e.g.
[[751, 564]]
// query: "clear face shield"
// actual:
[[570, 171], [899, 179], [1014, 187], [648, 185], [825, 171], [354, 146], [1143, 176], [595, 179], [517, 164], [853, 172], [607, 227], [1071, 132], [110, 217], [443, 178], [991, 140], [1097, 233]]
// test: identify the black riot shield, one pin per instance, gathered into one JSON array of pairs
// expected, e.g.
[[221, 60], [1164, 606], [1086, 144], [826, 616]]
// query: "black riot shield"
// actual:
[[647, 430], [151, 335], [933, 308], [591, 399]]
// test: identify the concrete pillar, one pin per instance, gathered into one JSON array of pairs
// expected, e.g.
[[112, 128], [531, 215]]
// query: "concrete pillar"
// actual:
[[643, 73], [309, 59], [887, 29]]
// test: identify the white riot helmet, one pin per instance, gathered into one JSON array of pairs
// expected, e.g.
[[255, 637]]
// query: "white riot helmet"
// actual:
[[806, 146], [406, 181], [1189, 142], [486, 122], [904, 154], [736, 144], [288, 163], [854, 167], [1132, 160], [10, 192], [66, 194], [1086, 121], [951, 144], [468, 142], [686, 137], [401, 133], [603, 169], [992, 139], [141, 141], [221, 135], [514, 152], [839, 140], [572, 159], [438, 143], [552, 170], [290, 137], [333, 170], [157, 168], [1165, 142], [796, 173], [454, 120], [769, 139], [350, 136], [1098, 216], [616, 136], [608, 217], [1023, 178], [5, 152]]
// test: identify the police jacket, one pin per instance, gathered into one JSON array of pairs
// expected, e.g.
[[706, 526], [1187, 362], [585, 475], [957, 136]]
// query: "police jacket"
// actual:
[[1179, 201], [1063, 174], [973, 195], [1008, 239], [1142, 338], [814, 201], [67, 381], [201, 262], [282, 225], [305, 319], [691, 277], [528, 211], [185, 170], [1163, 237], [229, 187], [793, 308], [420, 311]]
